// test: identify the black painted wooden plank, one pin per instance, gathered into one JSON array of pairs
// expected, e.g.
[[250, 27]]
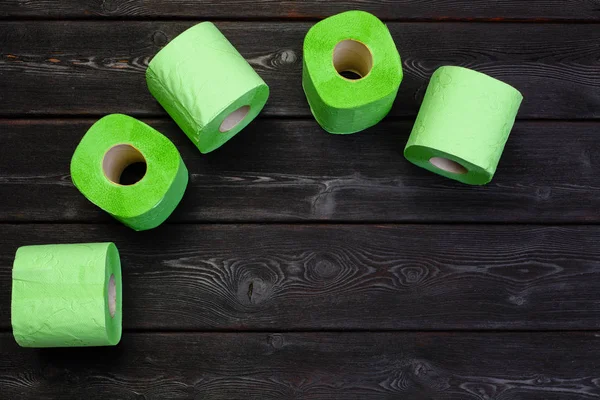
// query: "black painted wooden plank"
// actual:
[[441, 366], [536, 10], [94, 68], [290, 170], [342, 277]]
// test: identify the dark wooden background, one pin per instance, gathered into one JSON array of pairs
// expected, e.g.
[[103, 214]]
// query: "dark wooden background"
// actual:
[[303, 265]]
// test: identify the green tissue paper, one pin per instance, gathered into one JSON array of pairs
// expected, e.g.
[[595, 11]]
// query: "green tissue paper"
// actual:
[[463, 125], [115, 142], [353, 44], [206, 86], [67, 295]]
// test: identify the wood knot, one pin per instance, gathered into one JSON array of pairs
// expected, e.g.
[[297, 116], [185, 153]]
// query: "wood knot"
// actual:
[[110, 6], [542, 380], [257, 291], [411, 275], [543, 193], [294, 268], [425, 374], [278, 60], [160, 38], [419, 368], [275, 341], [481, 391], [256, 283], [286, 57], [323, 267], [326, 269]]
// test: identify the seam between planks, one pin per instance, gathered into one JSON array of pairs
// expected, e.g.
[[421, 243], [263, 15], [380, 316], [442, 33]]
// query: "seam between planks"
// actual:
[[348, 331]]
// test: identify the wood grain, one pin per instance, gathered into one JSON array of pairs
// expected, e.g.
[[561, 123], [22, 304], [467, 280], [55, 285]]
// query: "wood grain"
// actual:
[[406, 10], [342, 277], [94, 68], [318, 366], [291, 170], [438, 309]]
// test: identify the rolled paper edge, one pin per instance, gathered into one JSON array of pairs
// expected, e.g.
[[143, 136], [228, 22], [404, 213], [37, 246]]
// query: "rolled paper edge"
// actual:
[[111, 251]]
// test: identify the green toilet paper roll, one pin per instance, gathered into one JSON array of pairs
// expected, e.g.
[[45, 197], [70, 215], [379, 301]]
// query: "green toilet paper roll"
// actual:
[[206, 86], [463, 125], [112, 144], [67, 295], [352, 71]]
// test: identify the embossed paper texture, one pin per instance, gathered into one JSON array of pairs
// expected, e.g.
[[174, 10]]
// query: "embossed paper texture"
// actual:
[[342, 105], [199, 79], [465, 117], [60, 295], [150, 201]]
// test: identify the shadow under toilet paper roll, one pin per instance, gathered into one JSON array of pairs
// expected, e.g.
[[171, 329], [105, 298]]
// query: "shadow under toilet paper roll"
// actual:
[[351, 72], [206, 86], [111, 145], [463, 125], [67, 295]]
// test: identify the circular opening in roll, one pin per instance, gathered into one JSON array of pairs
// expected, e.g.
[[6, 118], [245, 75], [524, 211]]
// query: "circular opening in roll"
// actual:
[[118, 158], [112, 296], [133, 173], [352, 60], [353, 76], [233, 119], [448, 165]]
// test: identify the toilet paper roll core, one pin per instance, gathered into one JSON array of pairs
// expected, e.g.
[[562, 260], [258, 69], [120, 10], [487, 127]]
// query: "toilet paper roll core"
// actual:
[[352, 56], [233, 119], [448, 165], [119, 157], [112, 295]]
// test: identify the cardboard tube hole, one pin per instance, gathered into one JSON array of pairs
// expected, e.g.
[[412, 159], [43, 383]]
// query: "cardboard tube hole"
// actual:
[[119, 157], [234, 118], [351, 57], [112, 296], [448, 165]]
